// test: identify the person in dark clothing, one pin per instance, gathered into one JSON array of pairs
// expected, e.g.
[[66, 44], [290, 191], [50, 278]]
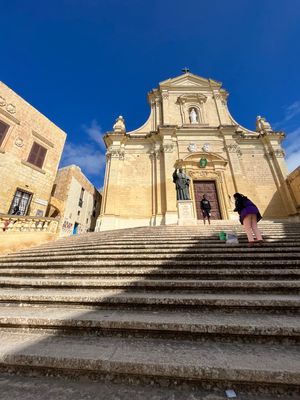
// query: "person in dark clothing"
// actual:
[[205, 208], [249, 216], [16, 210]]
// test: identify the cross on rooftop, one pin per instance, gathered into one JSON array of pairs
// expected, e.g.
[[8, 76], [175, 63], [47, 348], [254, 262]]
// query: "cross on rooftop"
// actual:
[[185, 70]]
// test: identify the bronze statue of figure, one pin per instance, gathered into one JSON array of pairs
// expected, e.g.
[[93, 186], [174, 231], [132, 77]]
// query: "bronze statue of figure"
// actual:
[[182, 182]]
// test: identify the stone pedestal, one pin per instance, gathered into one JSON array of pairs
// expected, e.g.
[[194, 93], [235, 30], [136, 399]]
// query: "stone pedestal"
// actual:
[[186, 214]]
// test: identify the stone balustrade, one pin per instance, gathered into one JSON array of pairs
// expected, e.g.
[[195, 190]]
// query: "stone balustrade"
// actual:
[[21, 223]]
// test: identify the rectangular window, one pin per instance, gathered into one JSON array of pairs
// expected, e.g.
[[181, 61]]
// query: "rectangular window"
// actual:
[[81, 198], [37, 155], [20, 203], [3, 129]]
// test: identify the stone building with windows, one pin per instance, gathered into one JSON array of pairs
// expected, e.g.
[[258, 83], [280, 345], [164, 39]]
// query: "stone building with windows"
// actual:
[[75, 200], [30, 151], [293, 181], [190, 127]]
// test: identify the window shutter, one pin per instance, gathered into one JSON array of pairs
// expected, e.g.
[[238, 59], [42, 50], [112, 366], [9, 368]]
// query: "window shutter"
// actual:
[[37, 155], [33, 153], [41, 156], [3, 129]]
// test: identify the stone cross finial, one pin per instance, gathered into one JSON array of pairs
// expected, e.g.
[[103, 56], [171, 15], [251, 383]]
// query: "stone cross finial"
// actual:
[[119, 126], [185, 70]]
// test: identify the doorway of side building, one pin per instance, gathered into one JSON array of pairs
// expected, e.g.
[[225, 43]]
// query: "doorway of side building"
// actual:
[[75, 229], [209, 189]]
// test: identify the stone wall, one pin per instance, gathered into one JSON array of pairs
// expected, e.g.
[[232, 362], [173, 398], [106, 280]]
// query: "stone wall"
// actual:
[[67, 188], [26, 126], [293, 181]]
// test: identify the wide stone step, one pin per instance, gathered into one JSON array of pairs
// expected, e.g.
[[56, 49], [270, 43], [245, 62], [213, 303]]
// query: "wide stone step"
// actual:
[[159, 300], [174, 263], [215, 242], [175, 236], [215, 362], [137, 251], [159, 247], [204, 273], [293, 255], [196, 325], [219, 286]]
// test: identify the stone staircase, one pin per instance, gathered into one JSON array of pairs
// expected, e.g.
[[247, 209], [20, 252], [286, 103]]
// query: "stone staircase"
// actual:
[[166, 304]]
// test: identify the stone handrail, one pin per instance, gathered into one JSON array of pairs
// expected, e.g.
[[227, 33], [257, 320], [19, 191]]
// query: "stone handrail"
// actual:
[[21, 223]]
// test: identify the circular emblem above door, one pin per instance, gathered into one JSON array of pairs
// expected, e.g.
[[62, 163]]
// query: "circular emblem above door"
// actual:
[[203, 162], [206, 147], [192, 147]]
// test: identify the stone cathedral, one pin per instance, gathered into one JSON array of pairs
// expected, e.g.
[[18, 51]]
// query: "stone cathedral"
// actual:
[[190, 127]]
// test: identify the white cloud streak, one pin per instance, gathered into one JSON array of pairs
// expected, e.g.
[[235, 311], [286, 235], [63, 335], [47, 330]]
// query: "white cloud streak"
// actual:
[[292, 111], [90, 155], [292, 147], [94, 132], [90, 161]]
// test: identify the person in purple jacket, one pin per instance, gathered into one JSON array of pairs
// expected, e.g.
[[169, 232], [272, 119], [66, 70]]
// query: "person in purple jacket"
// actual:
[[249, 216]]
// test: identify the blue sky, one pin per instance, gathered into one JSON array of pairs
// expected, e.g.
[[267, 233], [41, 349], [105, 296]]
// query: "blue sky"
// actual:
[[84, 62]]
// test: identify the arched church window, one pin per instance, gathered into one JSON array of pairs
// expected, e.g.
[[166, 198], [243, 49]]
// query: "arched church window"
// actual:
[[194, 115]]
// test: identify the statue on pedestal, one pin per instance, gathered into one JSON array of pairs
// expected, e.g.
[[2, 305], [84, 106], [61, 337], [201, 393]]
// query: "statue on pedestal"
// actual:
[[193, 116], [262, 125], [182, 182]]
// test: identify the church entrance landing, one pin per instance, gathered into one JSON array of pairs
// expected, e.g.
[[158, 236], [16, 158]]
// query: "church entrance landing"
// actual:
[[209, 189]]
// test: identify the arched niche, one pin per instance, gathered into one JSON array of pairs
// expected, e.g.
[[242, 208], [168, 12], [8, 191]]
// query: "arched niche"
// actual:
[[187, 102]]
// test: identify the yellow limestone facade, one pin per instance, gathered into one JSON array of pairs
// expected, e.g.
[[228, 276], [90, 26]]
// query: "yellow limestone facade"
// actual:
[[25, 181], [189, 121]]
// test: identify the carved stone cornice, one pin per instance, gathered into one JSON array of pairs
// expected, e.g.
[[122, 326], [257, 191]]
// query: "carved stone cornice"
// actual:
[[278, 153], [202, 174], [233, 148], [192, 98], [9, 116], [42, 139], [155, 153], [168, 147], [222, 95], [9, 107], [115, 153]]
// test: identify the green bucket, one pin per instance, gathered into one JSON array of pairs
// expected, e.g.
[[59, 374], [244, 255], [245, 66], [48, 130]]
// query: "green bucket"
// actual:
[[222, 235]]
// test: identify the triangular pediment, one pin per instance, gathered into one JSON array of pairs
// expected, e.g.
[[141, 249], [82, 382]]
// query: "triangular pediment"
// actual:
[[189, 80]]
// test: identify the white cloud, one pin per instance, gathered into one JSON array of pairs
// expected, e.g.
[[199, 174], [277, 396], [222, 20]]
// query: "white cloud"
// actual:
[[90, 161], [292, 147], [290, 114], [90, 155], [94, 132], [292, 110], [293, 160]]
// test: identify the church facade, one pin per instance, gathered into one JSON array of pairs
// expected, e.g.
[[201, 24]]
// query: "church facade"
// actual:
[[190, 127]]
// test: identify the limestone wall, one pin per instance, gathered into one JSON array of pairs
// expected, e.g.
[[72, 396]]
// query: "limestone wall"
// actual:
[[27, 125], [68, 184], [11, 242], [293, 181], [138, 187]]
